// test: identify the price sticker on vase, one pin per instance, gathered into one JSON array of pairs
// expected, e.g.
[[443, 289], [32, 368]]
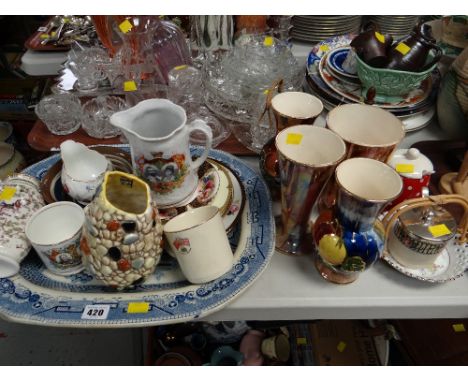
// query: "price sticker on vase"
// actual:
[[95, 312], [293, 139], [125, 26]]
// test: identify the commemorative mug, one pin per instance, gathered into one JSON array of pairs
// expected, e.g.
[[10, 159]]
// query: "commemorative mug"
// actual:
[[198, 240]]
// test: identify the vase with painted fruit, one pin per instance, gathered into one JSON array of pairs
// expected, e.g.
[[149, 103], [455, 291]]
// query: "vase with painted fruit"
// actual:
[[121, 242], [346, 238]]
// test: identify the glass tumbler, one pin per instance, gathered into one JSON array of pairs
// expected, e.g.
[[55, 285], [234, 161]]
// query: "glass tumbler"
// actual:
[[60, 113]]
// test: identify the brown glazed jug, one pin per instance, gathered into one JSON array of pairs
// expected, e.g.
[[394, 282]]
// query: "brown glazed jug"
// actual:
[[371, 46], [410, 53]]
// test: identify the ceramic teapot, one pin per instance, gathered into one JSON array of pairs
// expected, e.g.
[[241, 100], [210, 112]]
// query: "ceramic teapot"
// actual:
[[411, 53]]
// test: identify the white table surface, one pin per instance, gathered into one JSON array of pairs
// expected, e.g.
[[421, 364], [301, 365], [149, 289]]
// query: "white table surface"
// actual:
[[292, 289]]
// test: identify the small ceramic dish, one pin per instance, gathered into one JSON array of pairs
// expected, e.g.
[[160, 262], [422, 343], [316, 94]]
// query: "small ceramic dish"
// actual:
[[51, 184], [450, 265], [335, 60]]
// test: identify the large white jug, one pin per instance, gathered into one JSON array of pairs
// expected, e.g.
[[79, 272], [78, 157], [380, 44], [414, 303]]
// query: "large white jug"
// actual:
[[158, 134]]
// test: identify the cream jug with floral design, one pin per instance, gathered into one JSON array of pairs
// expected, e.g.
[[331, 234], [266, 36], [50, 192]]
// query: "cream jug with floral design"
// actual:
[[158, 133]]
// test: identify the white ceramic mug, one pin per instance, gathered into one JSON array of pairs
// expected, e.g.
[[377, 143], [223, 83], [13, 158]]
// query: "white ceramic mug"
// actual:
[[199, 242], [158, 133], [55, 233]]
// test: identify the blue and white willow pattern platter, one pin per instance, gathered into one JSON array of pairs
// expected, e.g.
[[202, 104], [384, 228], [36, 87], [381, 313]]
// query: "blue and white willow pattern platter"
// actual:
[[35, 296]]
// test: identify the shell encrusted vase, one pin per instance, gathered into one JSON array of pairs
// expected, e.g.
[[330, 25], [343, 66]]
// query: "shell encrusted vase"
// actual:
[[121, 242]]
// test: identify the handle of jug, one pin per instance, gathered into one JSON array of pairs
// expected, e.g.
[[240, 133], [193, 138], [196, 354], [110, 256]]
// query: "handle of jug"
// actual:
[[199, 125]]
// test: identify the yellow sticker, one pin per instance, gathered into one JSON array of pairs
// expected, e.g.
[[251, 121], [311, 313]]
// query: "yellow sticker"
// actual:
[[439, 230], [268, 41], [138, 307], [293, 139], [266, 91], [324, 48], [341, 346], [459, 328], [44, 36], [404, 168], [380, 37], [7, 193], [180, 67], [301, 341], [130, 86], [125, 26], [403, 48]]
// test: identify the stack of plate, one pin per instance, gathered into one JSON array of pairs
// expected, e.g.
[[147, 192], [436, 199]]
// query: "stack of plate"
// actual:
[[328, 80], [397, 26], [318, 28]]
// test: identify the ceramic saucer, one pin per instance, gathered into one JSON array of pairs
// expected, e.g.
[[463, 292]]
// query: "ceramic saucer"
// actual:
[[419, 121], [450, 265], [51, 184], [228, 195]]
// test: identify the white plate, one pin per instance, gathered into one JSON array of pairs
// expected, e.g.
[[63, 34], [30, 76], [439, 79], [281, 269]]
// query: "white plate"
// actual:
[[419, 121]]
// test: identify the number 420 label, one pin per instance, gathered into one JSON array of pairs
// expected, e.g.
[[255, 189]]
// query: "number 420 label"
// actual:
[[95, 312]]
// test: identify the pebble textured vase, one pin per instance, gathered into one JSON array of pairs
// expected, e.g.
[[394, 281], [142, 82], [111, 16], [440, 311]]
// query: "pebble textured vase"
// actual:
[[121, 242]]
